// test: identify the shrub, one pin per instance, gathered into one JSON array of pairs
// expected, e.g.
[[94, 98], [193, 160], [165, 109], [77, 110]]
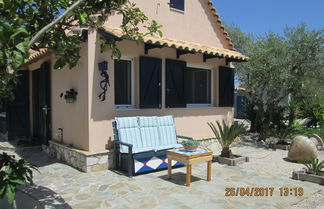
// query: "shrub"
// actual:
[[314, 111], [12, 174]]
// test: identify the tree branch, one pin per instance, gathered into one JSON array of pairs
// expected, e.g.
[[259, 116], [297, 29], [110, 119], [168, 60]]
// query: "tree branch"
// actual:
[[49, 26]]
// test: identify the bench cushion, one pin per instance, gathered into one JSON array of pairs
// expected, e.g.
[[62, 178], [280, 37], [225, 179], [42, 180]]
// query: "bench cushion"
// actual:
[[129, 132], [149, 132], [168, 137]]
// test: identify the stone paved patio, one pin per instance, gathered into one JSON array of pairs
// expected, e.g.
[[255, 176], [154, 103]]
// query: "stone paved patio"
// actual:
[[108, 189]]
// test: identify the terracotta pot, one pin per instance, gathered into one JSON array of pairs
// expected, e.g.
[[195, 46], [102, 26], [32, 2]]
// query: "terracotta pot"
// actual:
[[191, 147]]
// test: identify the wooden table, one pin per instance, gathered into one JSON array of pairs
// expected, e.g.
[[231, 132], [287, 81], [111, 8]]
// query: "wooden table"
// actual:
[[189, 158]]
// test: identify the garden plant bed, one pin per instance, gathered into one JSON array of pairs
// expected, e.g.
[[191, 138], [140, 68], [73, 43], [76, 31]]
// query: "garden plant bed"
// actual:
[[310, 177], [237, 159], [280, 146]]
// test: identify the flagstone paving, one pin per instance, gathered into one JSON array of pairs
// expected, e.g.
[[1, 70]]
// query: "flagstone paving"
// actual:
[[108, 189]]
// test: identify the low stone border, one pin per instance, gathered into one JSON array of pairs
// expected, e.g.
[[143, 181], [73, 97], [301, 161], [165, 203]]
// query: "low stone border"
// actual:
[[279, 146], [229, 161], [82, 160], [303, 176]]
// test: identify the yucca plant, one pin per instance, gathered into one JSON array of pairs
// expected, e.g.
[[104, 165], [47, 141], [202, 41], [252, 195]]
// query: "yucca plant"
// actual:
[[226, 134], [314, 165]]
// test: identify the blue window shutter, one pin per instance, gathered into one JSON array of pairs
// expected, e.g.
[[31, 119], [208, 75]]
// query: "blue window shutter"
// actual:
[[226, 87], [175, 90], [177, 4], [150, 82]]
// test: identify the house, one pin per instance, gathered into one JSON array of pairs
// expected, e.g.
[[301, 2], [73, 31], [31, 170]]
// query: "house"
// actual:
[[187, 73]]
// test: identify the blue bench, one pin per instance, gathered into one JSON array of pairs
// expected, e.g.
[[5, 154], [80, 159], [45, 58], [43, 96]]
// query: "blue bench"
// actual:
[[141, 143]]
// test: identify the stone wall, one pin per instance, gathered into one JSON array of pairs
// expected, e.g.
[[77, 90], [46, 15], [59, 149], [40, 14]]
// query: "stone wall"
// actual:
[[82, 160]]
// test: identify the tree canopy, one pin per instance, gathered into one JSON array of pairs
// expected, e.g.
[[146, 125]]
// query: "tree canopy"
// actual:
[[44, 24], [282, 68]]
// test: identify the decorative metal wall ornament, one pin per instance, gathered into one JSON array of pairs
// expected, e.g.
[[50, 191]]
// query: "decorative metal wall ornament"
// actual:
[[103, 68]]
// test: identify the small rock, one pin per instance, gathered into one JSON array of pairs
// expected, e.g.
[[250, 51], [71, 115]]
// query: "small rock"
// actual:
[[302, 148]]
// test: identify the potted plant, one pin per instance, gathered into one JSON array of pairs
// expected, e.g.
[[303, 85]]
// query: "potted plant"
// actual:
[[190, 145], [70, 96], [226, 134], [313, 173]]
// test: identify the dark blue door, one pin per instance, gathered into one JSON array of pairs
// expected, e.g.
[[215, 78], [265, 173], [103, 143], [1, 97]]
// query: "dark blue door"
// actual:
[[17, 114], [41, 103]]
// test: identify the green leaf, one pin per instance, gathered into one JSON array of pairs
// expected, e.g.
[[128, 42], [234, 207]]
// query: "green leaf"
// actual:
[[83, 18], [18, 181], [19, 31], [10, 194], [23, 47]]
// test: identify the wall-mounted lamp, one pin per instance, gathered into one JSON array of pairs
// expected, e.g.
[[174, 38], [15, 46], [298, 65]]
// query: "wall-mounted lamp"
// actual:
[[103, 68]]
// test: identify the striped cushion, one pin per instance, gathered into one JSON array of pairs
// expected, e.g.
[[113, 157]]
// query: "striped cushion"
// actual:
[[167, 131], [128, 132], [149, 132], [127, 122]]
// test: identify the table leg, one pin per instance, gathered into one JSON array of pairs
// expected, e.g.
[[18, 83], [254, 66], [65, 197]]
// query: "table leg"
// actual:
[[188, 175], [209, 164], [169, 168]]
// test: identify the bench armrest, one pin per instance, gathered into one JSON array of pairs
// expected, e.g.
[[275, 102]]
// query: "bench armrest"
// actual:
[[130, 146], [123, 143]]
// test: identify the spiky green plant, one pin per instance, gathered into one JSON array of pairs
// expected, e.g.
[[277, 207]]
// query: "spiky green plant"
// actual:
[[226, 135], [313, 165], [190, 143]]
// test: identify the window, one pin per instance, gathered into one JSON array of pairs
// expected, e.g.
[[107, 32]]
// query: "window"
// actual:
[[177, 4], [198, 86], [187, 86], [123, 83]]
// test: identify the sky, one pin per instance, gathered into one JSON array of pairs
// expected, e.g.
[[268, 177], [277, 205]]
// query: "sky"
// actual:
[[262, 16]]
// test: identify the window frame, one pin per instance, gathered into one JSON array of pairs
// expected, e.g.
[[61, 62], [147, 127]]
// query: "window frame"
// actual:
[[203, 105], [132, 71], [176, 9]]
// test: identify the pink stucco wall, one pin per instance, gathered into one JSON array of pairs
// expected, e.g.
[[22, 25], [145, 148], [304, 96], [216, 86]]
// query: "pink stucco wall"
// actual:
[[196, 24]]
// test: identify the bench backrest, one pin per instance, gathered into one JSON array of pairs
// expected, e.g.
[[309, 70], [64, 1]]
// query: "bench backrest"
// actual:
[[146, 133], [149, 132], [129, 132], [167, 131]]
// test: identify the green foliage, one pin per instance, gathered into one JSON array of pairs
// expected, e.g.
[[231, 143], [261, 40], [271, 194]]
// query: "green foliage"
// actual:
[[314, 165], [314, 111], [226, 134], [21, 22], [306, 131], [283, 133], [190, 143], [12, 174]]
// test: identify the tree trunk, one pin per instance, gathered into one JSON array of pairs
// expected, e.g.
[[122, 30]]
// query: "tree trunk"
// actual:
[[226, 152], [264, 127]]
